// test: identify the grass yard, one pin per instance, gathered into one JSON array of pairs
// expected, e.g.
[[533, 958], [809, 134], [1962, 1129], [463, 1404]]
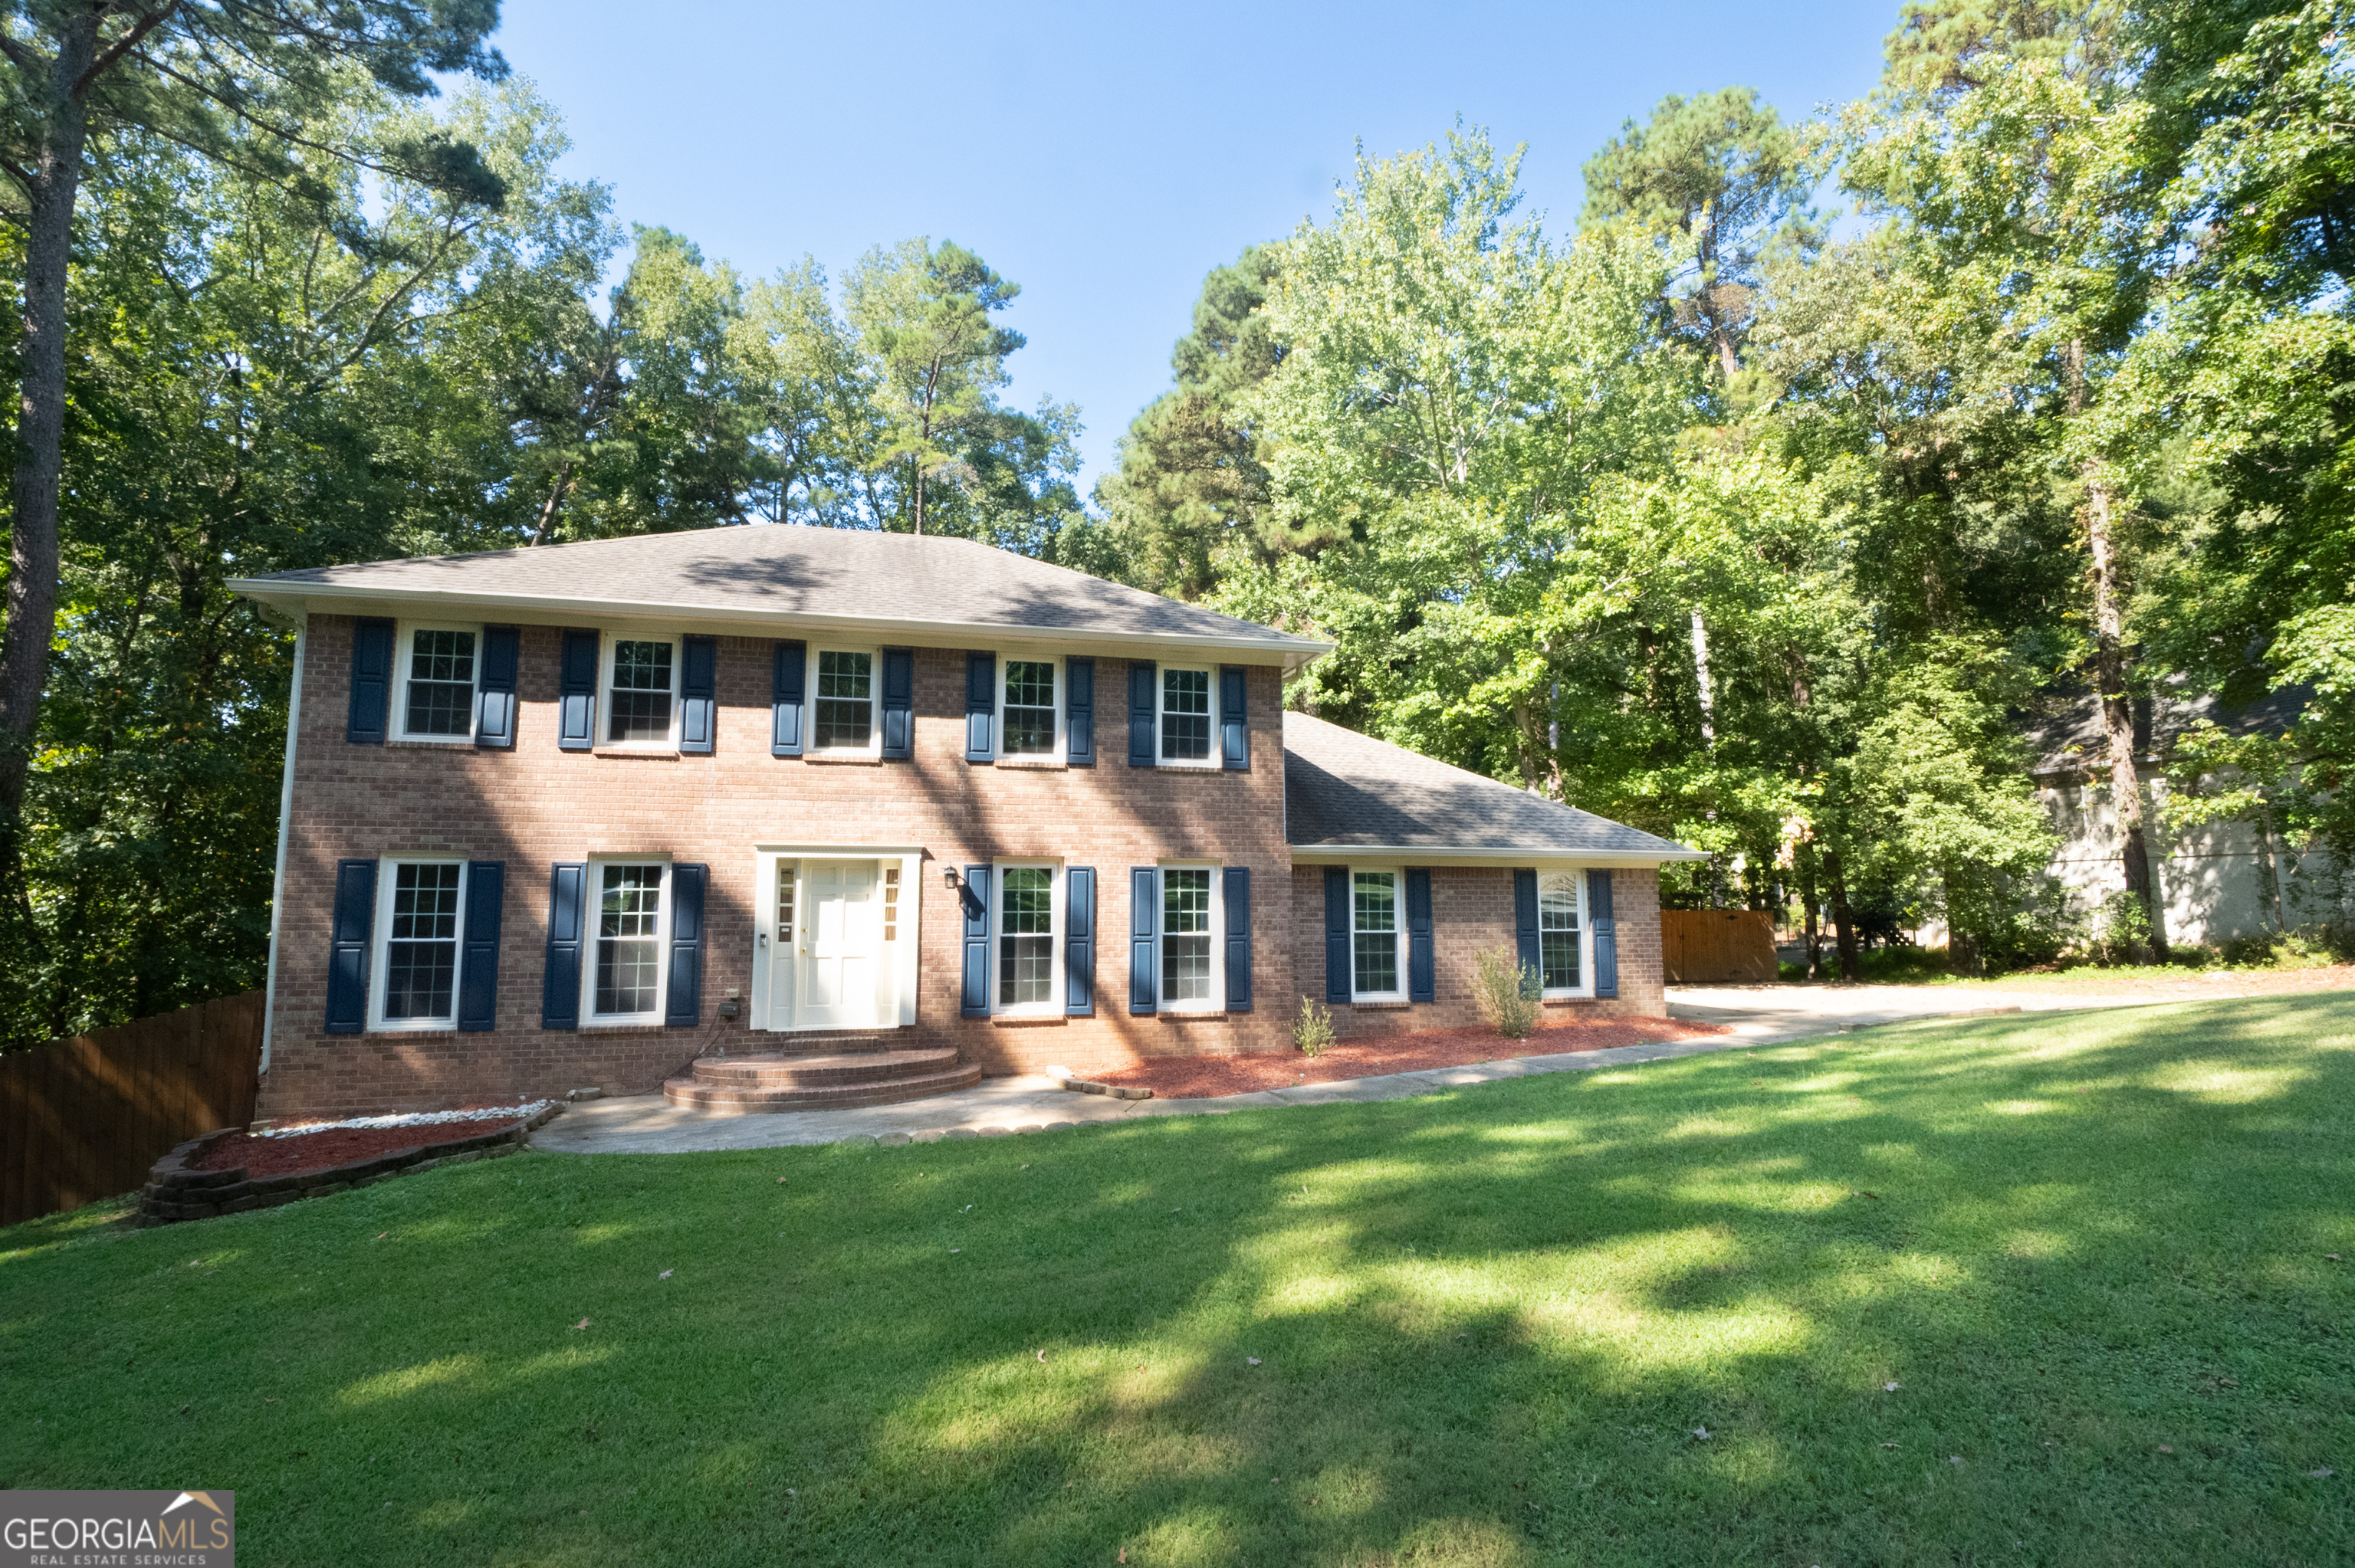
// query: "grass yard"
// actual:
[[2029, 1290]]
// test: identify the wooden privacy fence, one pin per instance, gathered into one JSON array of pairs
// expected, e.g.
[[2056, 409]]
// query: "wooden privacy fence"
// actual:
[[1715, 946], [84, 1119]]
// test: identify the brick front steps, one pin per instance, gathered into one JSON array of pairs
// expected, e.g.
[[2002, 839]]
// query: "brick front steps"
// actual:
[[744, 1086]]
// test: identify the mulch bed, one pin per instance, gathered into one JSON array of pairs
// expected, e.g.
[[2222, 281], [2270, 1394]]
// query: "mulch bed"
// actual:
[[335, 1146], [1206, 1077]]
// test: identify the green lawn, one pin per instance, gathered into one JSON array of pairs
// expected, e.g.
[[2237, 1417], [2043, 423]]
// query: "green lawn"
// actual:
[[2089, 1251]]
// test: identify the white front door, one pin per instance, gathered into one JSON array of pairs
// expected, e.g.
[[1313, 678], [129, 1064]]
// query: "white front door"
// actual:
[[839, 945]]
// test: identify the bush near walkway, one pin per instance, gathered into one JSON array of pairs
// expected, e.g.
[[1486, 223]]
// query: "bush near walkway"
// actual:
[[2042, 1288]]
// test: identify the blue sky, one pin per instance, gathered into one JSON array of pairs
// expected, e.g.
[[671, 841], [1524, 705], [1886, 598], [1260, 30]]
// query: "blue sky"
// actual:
[[1106, 157]]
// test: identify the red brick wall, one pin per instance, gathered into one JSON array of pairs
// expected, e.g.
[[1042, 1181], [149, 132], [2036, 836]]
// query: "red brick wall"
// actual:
[[1472, 908], [537, 805]]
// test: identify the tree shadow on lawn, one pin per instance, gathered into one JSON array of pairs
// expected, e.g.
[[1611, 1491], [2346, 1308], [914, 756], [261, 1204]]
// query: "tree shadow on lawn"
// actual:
[[1489, 1327]]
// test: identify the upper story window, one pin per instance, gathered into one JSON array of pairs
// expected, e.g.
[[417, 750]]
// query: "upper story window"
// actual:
[[1026, 938], [437, 670], [844, 719], [642, 691], [625, 983], [1030, 708], [419, 914], [1375, 933], [1186, 730], [1557, 923]]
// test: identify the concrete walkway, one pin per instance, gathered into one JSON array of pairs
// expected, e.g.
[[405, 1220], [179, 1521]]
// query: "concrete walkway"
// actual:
[[996, 1108]]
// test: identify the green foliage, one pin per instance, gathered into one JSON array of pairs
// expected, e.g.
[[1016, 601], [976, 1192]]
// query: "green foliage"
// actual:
[[1507, 992], [1312, 1031]]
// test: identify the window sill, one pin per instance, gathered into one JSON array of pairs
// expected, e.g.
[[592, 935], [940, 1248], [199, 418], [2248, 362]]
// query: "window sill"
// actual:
[[1027, 1021], [434, 743], [1382, 1006], [396, 1031], [1042, 763], [644, 753], [1565, 1000], [1191, 1016], [1168, 764], [843, 758]]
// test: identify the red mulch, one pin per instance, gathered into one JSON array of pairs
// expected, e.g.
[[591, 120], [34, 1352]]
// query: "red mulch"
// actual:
[[335, 1146], [1206, 1077]]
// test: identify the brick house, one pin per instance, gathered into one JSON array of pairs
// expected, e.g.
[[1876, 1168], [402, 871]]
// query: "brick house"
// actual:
[[902, 809]]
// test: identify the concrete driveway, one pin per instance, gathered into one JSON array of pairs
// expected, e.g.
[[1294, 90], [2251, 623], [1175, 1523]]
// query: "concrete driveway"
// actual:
[[999, 1108]]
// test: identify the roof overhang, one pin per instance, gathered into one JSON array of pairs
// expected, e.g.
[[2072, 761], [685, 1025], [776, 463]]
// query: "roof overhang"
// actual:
[[1481, 855], [298, 600]]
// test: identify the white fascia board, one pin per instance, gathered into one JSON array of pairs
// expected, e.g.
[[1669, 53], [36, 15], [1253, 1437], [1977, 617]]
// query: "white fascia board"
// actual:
[[542, 610], [1474, 854]]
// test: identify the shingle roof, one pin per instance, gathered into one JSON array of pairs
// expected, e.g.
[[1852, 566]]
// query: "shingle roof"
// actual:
[[821, 576], [1343, 789]]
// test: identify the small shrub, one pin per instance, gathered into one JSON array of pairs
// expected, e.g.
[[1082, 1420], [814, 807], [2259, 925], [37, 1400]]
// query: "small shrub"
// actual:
[[1791, 971], [2123, 931], [1313, 1029], [1506, 991]]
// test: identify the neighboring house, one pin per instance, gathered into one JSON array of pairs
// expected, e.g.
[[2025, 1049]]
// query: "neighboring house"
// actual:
[[2217, 881], [587, 813]]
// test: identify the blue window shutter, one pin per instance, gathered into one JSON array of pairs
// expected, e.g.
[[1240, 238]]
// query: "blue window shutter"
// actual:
[[1525, 917], [495, 698], [1144, 938], [980, 706], [1340, 981], [1080, 941], [1144, 696], [974, 1001], [559, 990], [787, 678], [684, 1003], [1422, 981], [1606, 933], [576, 728], [1234, 728], [478, 962], [371, 711], [1236, 895], [348, 951], [899, 701], [1080, 712], [698, 694]]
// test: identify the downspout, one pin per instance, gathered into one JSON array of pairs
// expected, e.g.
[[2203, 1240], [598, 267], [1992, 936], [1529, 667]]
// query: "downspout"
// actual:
[[285, 817]]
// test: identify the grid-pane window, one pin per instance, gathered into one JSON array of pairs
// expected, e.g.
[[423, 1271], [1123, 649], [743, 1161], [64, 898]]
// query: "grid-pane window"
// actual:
[[1185, 936], [1373, 912], [629, 939], [1029, 707], [1185, 715], [786, 890], [846, 700], [1557, 931], [642, 688], [1026, 936], [441, 683], [420, 949], [890, 903]]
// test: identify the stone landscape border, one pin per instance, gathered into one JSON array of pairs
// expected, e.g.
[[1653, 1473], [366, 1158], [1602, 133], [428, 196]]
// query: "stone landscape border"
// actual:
[[178, 1191]]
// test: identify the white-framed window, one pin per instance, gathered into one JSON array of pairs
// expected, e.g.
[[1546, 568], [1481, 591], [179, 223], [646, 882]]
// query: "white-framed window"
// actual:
[[420, 920], [1560, 931], [629, 932], [1193, 959], [845, 688], [640, 691], [1030, 706], [1377, 936], [1026, 952], [1189, 730], [439, 668]]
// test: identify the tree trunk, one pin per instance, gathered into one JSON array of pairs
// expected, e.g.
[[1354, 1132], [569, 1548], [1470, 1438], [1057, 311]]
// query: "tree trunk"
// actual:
[[1851, 967], [2117, 709], [1962, 956], [1811, 897], [32, 608], [1701, 685], [2269, 857]]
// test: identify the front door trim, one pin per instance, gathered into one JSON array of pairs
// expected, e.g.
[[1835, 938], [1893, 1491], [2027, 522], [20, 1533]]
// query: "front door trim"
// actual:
[[900, 955]]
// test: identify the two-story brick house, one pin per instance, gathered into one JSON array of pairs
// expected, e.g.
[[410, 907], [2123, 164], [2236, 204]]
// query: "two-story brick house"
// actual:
[[593, 814]]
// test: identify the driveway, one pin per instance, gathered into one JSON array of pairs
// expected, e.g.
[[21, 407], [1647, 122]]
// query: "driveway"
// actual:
[[999, 1108]]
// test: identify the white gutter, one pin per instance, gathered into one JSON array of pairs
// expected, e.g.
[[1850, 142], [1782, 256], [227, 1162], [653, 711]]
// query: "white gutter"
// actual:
[[293, 599], [285, 818], [1422, 855]]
